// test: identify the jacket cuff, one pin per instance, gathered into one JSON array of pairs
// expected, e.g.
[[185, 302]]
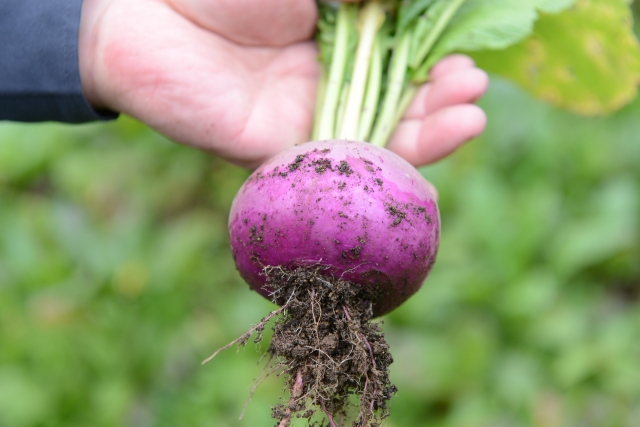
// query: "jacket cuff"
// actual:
[[40, 72]]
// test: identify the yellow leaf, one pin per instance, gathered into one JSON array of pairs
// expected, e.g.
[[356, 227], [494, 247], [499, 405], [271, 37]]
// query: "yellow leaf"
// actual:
[[586, 59]]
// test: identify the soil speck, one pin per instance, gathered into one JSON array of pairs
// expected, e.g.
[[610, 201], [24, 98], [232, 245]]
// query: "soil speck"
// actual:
[[344, 168], [321, 165], [397, 213], [296, 163]]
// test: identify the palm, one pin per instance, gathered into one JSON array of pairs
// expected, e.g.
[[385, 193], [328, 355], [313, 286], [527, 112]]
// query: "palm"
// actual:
[[233, 77]]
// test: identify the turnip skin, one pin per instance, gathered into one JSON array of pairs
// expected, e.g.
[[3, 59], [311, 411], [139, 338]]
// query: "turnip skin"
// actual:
[[361, 211]]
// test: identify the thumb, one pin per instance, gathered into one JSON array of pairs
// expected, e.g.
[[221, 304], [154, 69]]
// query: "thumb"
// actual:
[[253, 22]]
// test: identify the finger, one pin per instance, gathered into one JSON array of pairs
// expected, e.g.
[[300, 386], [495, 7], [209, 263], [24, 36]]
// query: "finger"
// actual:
[[424, 141], [462, 86], [451, 63], [253, 22]]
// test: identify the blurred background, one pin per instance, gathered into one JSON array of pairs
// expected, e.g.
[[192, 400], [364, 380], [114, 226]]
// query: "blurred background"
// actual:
[[116, 280]]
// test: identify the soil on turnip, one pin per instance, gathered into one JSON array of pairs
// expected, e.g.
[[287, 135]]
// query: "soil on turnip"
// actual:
[[335, 359]]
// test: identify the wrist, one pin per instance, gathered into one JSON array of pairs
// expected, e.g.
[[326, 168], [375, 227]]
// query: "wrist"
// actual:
[[88, 50]]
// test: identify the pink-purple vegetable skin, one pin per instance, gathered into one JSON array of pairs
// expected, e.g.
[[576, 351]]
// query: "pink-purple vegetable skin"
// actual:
[[360, 211]]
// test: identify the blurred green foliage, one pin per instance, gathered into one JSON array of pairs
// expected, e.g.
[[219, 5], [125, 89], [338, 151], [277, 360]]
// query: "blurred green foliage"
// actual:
[[116, 280]]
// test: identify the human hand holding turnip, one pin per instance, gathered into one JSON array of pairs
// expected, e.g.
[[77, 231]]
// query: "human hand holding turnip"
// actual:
[[239, 78]]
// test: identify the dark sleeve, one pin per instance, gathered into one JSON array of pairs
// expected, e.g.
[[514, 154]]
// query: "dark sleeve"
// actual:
[[39, 69]]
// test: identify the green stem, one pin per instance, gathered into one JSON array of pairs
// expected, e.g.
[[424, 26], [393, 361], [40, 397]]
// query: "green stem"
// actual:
[[320, 97], [408, 95], [371, 18], [342, 107], [326, 128], [372, 97], [432, 38], [349, 97], [395, 84]]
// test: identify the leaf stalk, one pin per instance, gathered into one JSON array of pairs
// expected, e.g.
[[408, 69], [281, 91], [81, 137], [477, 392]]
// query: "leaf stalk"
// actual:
[[335, 83], [371, 19]]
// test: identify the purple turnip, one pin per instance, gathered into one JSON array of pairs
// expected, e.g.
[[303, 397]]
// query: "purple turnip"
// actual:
[[361, 211], [336, 232]]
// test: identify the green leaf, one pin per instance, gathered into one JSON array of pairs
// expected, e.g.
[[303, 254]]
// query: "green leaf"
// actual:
[[326, 32], [554, 6], [424, 26], [586, 59], [411, 11], [492, 24]]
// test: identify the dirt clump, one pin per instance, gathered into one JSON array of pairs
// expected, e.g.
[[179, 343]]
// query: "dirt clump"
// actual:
[[336, 360]]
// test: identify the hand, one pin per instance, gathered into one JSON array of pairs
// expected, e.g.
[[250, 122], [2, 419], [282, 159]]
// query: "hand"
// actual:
[[238, 77]]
